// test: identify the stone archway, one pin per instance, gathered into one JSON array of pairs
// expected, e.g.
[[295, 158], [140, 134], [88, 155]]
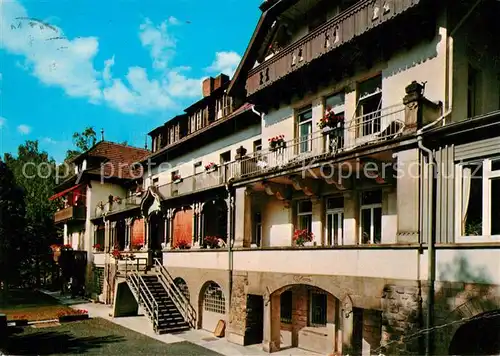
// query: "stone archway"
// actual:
[[479, 336], [212, 306], [303, 316]]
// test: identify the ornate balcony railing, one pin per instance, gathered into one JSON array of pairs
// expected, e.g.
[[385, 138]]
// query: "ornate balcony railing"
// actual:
[[354, 21], [378, 126], [70, 214], [125, 204]]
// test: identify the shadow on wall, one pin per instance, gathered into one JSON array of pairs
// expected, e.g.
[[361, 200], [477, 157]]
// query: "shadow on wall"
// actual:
[[465, 304], [412, 58], [275, 117]]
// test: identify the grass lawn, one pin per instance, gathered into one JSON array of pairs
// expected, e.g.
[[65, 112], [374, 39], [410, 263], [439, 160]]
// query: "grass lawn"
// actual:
[[31, 305], [93, 337]]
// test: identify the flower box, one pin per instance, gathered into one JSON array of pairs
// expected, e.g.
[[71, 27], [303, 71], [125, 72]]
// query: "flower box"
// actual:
[[301, 237], [331, 121], [176, 179], [277, 142], [211, 167]]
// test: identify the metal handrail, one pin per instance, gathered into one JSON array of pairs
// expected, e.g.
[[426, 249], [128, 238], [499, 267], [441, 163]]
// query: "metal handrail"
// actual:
[[179, 299], [144, 295]]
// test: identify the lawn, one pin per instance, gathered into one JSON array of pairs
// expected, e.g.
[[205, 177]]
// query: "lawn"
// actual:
[[93, 337], [31, 305]]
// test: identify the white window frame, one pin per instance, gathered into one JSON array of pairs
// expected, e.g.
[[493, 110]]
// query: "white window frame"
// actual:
[[309, 136], [338, 214], [372, 208], [488, 176], [299, 214]]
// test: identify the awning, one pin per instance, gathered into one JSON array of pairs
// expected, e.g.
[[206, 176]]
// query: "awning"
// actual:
[[64, 192]]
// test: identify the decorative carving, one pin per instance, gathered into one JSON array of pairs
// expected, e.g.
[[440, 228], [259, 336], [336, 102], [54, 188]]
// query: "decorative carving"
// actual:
[[302, 279], [376, 11], [387, 7], [347, 306]]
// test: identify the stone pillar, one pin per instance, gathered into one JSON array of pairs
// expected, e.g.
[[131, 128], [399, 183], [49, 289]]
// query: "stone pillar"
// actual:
[[351, 218], [230, 208], [243, 217], [347, 326], [272, 332], [412, 101], [146, 233], [408, 196], [196, 213], [94, 237], [317, 220]]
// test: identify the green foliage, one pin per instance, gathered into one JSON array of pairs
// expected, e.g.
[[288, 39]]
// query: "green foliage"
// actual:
[[12, 212], [83, 141]]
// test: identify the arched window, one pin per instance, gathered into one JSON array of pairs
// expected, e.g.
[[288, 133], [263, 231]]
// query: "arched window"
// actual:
[[214, 300]]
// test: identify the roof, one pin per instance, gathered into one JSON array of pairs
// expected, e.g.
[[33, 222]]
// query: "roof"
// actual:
[[270, 8], [242, 109], [215, 93], [175, 118]]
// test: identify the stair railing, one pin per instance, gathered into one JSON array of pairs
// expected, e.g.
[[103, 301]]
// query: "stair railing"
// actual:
[[175, 294], [150, 301]]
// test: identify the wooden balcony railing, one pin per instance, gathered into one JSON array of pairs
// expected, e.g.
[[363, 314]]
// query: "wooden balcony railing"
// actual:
[[354, 21], [70, 213], [125, 204], [382, 125]]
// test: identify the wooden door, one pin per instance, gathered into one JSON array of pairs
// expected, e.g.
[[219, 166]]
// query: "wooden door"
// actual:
[[183, 227]]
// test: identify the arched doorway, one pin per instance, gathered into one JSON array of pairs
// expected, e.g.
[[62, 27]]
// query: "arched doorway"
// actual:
[[212, 306], [480, 336], [215, 219], [156, 234], [306, 317], [183, 226], [183, 287]]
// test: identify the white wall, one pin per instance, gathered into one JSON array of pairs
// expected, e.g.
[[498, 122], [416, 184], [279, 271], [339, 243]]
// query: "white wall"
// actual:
[[206, 154], [277, 226], [197, 259]]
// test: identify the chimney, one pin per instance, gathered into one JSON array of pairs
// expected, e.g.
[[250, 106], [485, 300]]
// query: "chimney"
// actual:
[[220, 80], [102, 134], [208, 86]]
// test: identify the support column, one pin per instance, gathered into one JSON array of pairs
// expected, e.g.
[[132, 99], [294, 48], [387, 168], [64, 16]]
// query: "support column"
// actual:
[[230, 208], [112, 235], [351, 218], [408, 196], [200, 224], [94, 237], [347, 325], [128, 232], [196, 212], [271, 342], [65, 234], [107, 236], [165, 230], [146, 234], [243, 217]]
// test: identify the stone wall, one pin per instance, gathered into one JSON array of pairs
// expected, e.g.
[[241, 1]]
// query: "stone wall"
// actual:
[[238, 314]]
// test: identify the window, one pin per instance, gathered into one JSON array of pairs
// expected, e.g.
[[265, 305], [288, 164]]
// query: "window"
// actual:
[[371, 217], [478, 197], [369, 105], [155, 181], [334, 221], [336, 104], [286, 307], [198, 119], [174, 175], [198, 168], [305, 130], [214, 300], [99, 236], [304, 215], [257, 231], [317, 308], [225, 157], [257, 145]]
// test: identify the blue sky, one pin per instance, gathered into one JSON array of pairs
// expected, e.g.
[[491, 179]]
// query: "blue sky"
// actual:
[[125, 66]]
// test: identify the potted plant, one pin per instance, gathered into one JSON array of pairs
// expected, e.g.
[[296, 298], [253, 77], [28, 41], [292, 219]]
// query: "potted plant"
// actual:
[[116, 254], [277, 142], [212, 242], [330, 121], [211, 167], [301, 237], [182, 245], [117, 200], [98, 247], [176, 178]]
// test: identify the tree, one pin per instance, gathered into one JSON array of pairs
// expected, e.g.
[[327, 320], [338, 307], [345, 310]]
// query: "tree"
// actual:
[[83, 141], [34, 171], [12, 211]]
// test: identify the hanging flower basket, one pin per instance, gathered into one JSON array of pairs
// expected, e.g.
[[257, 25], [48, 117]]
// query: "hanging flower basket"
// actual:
[[176, 179], [330, 122], [277, 142], [211, 167]]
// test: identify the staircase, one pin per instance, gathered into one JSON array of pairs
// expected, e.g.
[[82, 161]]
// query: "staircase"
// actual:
[[165, 305]]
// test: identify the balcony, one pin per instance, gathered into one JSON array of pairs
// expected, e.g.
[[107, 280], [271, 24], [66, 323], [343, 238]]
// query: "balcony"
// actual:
[[356, 20], [117, 207], [194, 183], [376, 127], [72, 213]]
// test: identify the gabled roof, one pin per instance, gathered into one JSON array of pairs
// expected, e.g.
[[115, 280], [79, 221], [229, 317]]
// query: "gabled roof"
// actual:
[[270, 8]]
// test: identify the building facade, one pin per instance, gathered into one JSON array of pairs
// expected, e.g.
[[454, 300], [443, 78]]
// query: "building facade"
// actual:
[[339, 193]]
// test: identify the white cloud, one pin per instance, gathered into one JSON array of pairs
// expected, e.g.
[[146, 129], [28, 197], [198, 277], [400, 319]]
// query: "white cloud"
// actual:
[[3, 120], [225, 62], [68, 63], [49, 140], [160, 43], [24, 129]]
